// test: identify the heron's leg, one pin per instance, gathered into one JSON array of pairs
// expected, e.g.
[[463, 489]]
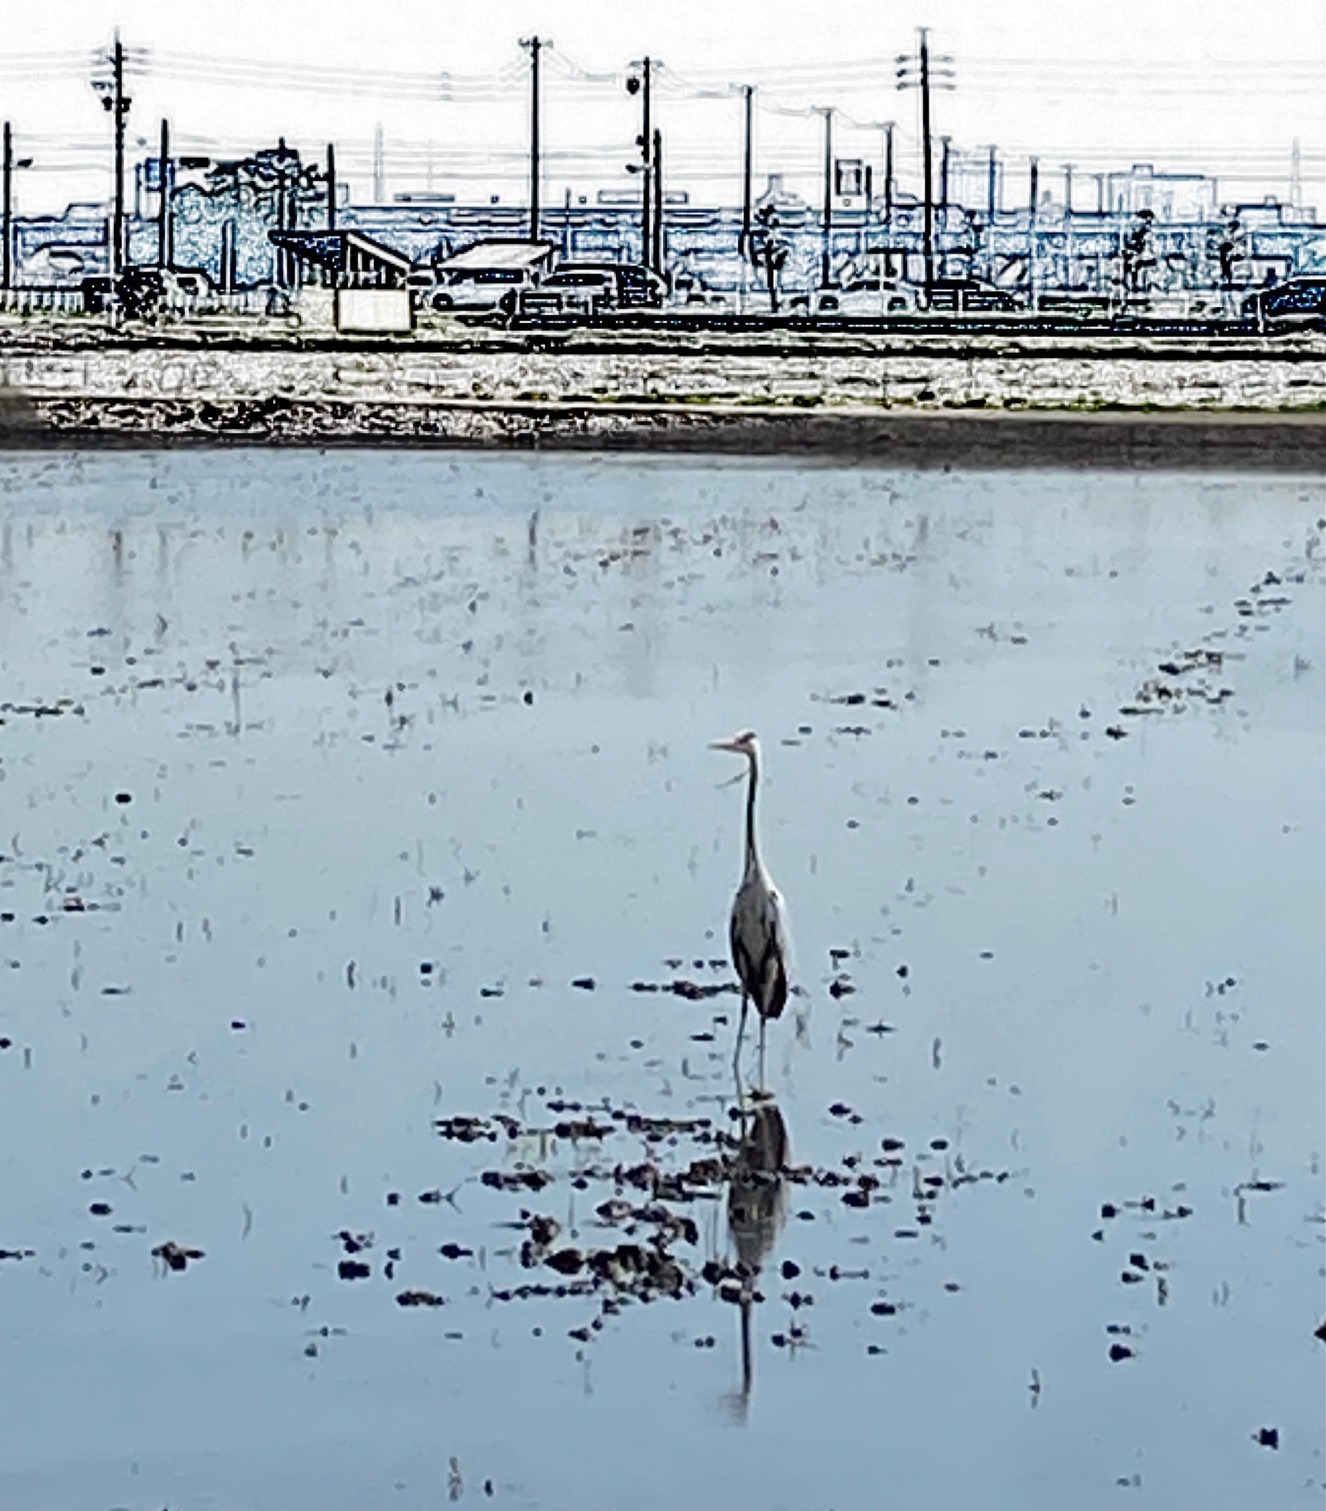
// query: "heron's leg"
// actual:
[[741, 1029], [762, 1022]]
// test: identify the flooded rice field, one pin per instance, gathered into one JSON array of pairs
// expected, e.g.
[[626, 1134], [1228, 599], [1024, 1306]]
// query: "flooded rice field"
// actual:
[[369, 1134]]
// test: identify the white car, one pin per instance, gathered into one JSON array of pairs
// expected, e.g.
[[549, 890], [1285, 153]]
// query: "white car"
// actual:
[[478, 290], [861, 297]]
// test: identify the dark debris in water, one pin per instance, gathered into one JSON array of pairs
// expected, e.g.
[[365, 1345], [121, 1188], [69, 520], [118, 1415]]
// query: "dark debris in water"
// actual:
[[419, 1298], [641, 1236], [176, 1256]]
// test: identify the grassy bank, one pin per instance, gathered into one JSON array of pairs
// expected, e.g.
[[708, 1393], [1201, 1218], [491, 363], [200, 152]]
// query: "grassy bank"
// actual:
[[1104, 436]]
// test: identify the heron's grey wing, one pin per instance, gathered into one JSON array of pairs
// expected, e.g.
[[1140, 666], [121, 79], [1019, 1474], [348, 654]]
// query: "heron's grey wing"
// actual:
[[780, 953], [760, 946]]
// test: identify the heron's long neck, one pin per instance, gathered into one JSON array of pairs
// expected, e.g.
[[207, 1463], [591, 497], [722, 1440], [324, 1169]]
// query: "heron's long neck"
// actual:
[[752, 848]]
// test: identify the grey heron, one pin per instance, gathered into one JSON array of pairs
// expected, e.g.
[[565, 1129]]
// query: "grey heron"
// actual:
[[758, 928]]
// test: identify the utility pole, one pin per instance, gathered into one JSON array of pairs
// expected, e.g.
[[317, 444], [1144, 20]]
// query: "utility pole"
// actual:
[[534, 45], [919, 73], [165, 252], [660, 251], [331, 186], [379, 166], [282, 253], [888, 175], [109, 87], [826, 227], [945, 144], [1033, 187], [747, 163], [642, 83], [118, 250], [1068, 225], [114, 100], [646, 147], [929, 168], [228, 257], [992, 187], [7, 211]]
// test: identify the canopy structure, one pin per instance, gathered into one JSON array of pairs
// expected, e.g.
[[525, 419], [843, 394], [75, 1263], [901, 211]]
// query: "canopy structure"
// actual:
[[499, 253], [348, 258]]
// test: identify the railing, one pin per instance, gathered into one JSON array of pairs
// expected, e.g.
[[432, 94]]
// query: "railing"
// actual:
[[41, 301]]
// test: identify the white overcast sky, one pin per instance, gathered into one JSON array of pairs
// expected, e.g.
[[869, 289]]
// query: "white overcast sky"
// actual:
[[1225, 85]]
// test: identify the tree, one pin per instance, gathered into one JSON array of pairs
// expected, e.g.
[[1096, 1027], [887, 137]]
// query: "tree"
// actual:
[[1227, 245], [768, 249], [270, 189], [1137, 253]]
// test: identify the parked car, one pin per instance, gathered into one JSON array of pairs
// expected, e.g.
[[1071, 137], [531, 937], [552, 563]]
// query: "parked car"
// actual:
[[589, 288], [860, 297], [138, 292], [962, 294], [1295, 304], [98, 291], [143, 291], [474, 290], [487, 276]]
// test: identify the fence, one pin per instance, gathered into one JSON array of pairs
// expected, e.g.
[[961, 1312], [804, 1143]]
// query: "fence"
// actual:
[[55, 300], [41, 301]]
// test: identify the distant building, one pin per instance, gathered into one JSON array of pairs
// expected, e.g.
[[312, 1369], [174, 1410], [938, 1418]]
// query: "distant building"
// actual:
[[224, 217], [1169, 196]]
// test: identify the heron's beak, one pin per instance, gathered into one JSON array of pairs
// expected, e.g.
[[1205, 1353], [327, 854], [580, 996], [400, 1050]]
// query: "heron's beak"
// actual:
[[728, 745]]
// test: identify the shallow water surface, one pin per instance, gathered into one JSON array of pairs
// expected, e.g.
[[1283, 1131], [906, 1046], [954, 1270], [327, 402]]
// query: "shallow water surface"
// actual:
[[364, 880]]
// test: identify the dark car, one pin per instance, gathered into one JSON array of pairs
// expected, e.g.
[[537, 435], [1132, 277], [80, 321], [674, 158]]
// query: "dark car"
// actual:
[[98, 293], [1295, 304], [591, 287], [963, 294], [140, 292]]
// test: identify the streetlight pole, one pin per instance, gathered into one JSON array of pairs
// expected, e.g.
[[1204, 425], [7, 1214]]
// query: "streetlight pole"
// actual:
[[7, 208], [826, 232], [534, 45], [165, 252], [747, 164]]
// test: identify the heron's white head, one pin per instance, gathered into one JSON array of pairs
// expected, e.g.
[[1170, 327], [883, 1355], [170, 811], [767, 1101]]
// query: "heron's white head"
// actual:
[[743, 744]]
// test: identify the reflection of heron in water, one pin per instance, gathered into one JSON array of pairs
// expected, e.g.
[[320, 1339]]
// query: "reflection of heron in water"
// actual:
[[758, 928], [756, 1202]]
